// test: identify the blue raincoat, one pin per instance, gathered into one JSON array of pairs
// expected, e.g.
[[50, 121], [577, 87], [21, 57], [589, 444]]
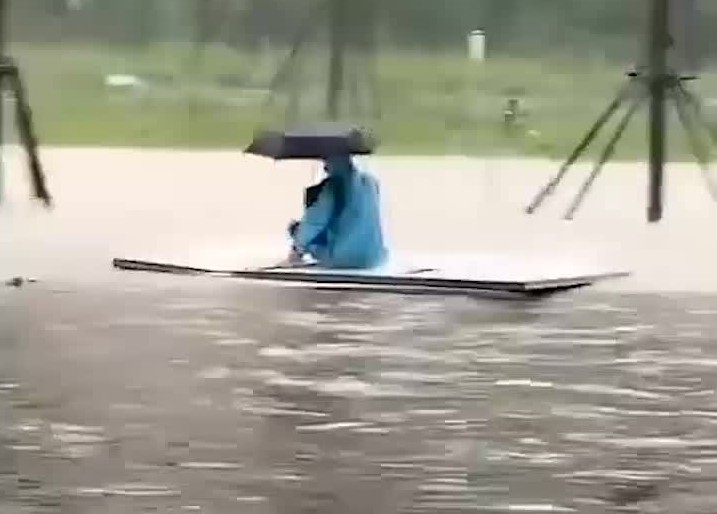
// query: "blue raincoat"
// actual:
[[342, 228]]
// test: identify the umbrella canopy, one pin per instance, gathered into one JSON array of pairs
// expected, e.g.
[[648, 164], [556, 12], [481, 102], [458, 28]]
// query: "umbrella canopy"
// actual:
[[313, 142]]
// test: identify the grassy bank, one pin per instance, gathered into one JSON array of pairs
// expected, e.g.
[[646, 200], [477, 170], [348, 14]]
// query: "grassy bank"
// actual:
[[430, 104]]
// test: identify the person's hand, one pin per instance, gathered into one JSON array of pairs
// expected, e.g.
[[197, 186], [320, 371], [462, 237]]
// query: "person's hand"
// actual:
[[295, 256]]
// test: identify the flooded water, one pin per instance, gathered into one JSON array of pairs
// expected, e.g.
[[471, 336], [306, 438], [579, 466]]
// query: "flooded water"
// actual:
[[123, 393]]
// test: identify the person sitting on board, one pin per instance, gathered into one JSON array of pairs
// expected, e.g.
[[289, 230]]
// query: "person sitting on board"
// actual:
[[341, 227]]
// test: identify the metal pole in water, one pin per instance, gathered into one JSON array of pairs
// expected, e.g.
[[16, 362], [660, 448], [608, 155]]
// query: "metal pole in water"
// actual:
[[3, 55], [658, 83]]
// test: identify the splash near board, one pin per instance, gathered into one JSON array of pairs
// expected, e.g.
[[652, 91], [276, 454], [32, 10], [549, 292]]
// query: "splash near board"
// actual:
[[476, 275]]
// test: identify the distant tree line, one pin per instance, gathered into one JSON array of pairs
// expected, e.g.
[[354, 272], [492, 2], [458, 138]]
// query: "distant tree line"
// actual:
[[610, 27]]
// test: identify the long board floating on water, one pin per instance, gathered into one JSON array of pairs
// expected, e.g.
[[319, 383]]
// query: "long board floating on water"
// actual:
[[399, 277]]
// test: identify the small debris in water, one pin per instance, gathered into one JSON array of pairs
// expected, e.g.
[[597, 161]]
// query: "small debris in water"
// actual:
[[19, 281]]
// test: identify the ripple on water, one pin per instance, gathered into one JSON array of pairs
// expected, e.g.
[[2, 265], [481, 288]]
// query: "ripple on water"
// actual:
[[351, 387], [597, 341], [331, 427], [282, 352], [233, 341], [403, 354], [251, 499], [448, 450], [278, 379], [605, 308], [529, 507], [343, 386], [368, 329], [301, 319], [614, 474], [327, 351], [77, 434], [593, 389], [424, 378], [214, 373], [210, 466], [141, 490], [270, 410]]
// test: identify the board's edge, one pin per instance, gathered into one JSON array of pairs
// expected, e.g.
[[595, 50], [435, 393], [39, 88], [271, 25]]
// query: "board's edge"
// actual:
[[526, 288]]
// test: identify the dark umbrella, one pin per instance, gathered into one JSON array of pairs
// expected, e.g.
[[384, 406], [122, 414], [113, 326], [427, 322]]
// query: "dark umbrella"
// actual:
[[313, 142]]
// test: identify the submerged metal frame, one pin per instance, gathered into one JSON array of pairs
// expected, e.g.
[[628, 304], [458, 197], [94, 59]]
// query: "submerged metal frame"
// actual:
[[11, 81], [658, 83]]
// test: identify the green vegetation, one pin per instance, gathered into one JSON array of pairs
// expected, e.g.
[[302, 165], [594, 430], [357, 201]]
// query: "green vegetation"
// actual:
[[430, 103], [208, 64]]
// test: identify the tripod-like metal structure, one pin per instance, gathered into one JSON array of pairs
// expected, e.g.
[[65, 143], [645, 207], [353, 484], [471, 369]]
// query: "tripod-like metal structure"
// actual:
[[658, 84], [11, 83], [352, 40]]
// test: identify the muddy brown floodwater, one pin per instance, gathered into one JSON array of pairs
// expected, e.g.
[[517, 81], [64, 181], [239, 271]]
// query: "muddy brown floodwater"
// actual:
[[124, 393]]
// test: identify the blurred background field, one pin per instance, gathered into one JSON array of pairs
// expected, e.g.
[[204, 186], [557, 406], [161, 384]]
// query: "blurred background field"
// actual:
[[196, 73]]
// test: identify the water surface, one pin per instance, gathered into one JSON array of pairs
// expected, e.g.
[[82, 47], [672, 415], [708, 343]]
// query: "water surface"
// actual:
[[138, 393]]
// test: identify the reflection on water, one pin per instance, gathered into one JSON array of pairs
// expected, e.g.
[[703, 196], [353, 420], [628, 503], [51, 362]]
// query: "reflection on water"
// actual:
[[188, 397]]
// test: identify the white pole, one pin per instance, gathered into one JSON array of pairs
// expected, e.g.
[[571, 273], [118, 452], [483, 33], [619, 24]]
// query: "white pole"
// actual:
[[476, 45]]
